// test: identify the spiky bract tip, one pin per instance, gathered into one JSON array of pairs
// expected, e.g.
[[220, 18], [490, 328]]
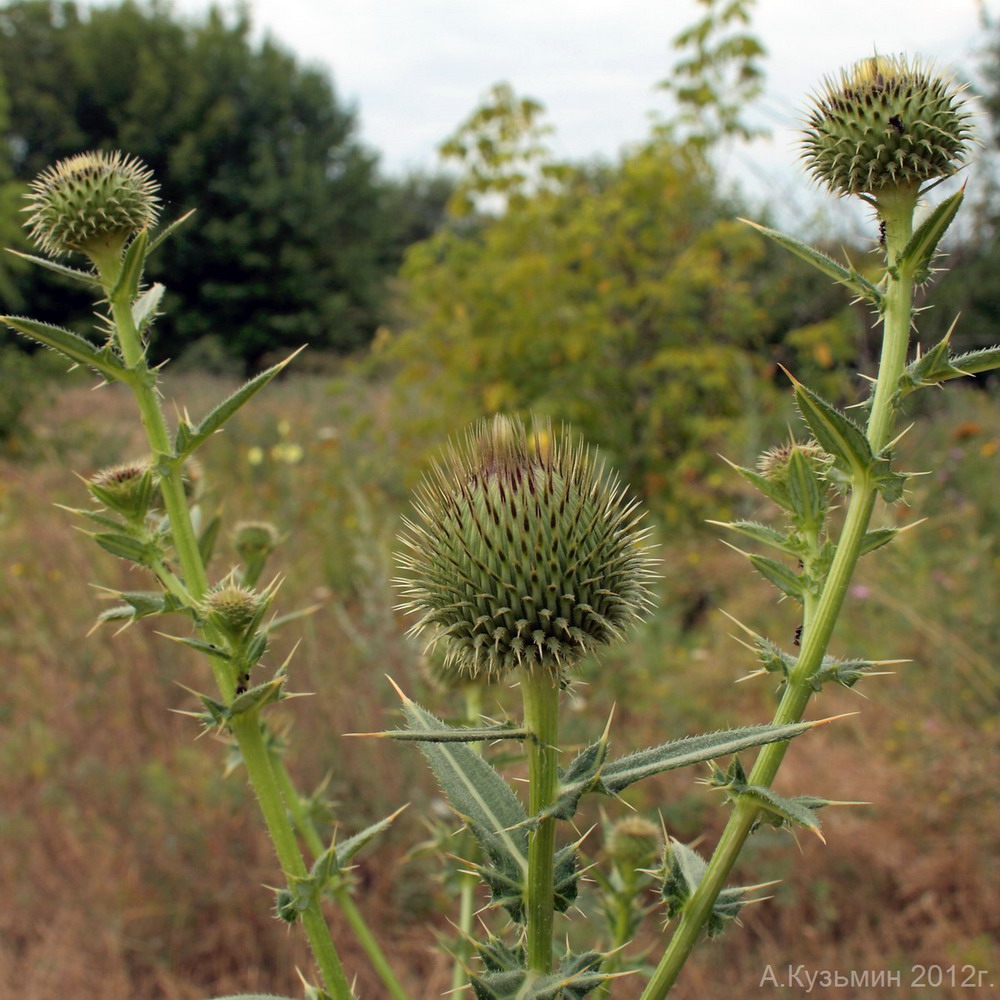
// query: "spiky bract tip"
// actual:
[[522, 552], [91, 203], [885, 123]]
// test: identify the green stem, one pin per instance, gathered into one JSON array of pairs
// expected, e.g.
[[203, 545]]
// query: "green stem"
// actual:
[[246, 729], [821, 617], [540, 694], [257, 760], [341, 892]]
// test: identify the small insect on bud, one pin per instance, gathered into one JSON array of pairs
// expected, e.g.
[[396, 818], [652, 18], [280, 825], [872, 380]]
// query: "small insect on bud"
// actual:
[[92, 203], [885, 124], [234, 609], [522, 552], [127, 489], [634, 842]]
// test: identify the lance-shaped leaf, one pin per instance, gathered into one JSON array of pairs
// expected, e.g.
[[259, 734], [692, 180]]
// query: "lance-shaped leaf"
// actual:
[[576, 976], [84, 277], [786, 580], [922, 245], [189, 438], [849, 277], [772, 489], [583, 775], [146, 306], [840, 436], [685, 869], [145, 553], [762, 533], [619, 774], [806, 492], [346, 849], [71, 345], [476, 792], [973, 362], [876, 538], [166, 231], [141, 604], [253, 996], [130, 275], [780, 811], [457, 734], [255, 698]]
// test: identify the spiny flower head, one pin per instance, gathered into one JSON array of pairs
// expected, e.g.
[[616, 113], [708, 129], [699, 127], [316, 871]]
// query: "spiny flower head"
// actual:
[[522, 552], [92, 203], [885, 123], [634, 842], [234, 608], [127, 488]]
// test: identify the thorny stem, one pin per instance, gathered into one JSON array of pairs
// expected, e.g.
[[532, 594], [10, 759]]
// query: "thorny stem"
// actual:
[[245, 728], [821, 617]]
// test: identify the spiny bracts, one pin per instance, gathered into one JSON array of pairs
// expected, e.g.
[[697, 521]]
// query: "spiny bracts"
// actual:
[[885, 123], [92, 202], [522, 552]]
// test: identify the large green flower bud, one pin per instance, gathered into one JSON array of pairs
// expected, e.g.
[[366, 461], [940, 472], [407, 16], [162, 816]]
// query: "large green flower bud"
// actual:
[[523, 552], [885, 124], [92, 203]]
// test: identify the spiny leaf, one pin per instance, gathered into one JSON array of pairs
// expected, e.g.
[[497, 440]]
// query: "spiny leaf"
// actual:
[[475, 790], [165, 231], [146, 306], [838, 434], [126, 547], [973, 362], [761, 533], [346, 849], [131, 272], [876, 538], [619, 774], [457, 734], [923, 244], [192, 437], [85, 277], [73, 346], [786, 580], [790, 812], [849, 277]]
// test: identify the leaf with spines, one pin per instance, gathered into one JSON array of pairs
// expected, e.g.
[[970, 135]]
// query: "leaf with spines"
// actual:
[[189, 437], [847, 276], [456, 734], [74, 274], [80, 351], [806, 493], [144, 552], [790, 583], [781, 811], [131, 271], [576, 976], [147, 306], [986, 359], [922, 246], [838, 435], [618, 774], [684, 869], [164, 232], [762, 533], [582, 775]]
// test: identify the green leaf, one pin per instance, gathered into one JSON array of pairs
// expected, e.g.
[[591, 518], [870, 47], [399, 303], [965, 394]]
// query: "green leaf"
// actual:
[[476, 792], [127, 284], [189, 438], [583, 775], [788, 812], [685, 870], [619, 774], [876, 539], [346, 849], [786, 580], [85, 277], [836, 433], [253, 996], [208, 538], [127, 547], [74, 347], [922, 245], [761, 533], [146, 306], [806, 492], [457, 734], [255, 698], [971, 363], [166, 231], [848, 277], [772, 490]]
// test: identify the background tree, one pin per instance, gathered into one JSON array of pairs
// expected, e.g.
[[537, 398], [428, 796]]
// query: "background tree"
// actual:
[[293, 242]]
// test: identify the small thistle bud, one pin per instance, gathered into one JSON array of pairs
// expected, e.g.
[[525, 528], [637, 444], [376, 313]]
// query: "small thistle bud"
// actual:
[[522, 553], [234, 608], [885, 124], [254, 540], [774, 463], [127, 489], [634, 842], [92, 203]]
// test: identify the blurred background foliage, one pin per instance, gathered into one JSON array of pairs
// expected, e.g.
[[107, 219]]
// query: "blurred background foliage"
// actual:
[[620, 296]]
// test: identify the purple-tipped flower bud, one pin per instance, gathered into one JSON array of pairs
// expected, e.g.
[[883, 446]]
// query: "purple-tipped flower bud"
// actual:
[[523, 552], [885, 124], [127, 489]]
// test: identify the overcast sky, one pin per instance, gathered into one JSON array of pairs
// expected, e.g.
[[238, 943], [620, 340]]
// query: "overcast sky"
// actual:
[[414, 69]]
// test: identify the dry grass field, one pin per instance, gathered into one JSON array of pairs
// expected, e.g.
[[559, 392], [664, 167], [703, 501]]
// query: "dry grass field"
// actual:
[[131, 868]]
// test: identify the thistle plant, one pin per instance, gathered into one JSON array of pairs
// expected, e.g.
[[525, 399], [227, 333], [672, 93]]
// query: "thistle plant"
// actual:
[[523, 555]]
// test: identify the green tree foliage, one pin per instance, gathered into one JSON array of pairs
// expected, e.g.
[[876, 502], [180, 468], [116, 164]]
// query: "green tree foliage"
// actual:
[[625, 300], [293, 239]]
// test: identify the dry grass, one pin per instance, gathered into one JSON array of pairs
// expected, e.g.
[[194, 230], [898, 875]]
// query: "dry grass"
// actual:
[[132, 870]]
